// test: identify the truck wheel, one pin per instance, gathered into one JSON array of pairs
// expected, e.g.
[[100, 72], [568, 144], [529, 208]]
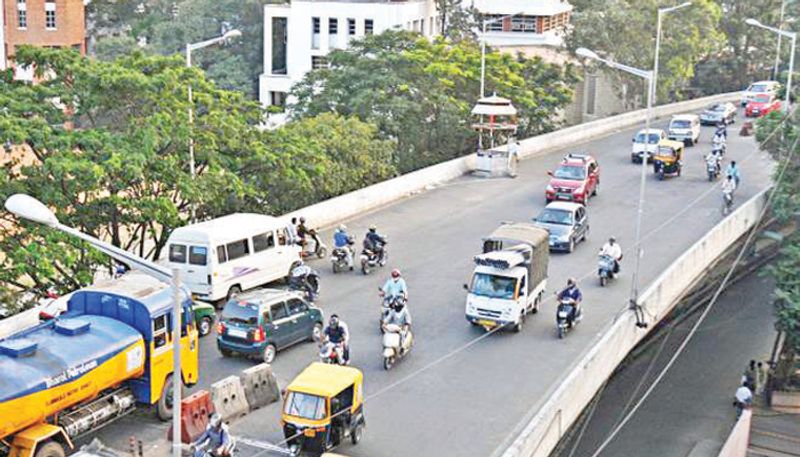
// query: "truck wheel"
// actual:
[[518, 326], [164, 405], [50, 449], [536, 302]]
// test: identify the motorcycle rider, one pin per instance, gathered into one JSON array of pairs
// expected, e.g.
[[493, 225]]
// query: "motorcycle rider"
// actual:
[[394, 287], [302, 231], [733, 170], [728, 186], [337, 333], [719, 140], [374, 242], [572, 292], [613, 250], [716, 159], [301, 274], [217, 436], [399, 315], [722, 129], [341, 240]]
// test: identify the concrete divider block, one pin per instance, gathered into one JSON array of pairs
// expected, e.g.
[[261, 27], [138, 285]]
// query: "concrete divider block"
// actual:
[[260, 386], [229, 398]]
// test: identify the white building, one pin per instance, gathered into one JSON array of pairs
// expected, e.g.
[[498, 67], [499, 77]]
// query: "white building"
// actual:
[[298, 35]]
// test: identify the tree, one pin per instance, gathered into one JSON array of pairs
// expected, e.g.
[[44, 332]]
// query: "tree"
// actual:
[[419, 93], [625, 31], [110, 146], [455, 21]]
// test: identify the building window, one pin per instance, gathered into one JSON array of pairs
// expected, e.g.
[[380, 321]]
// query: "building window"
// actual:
[[50, 15], [315, 26], [22, 14], [369, 27], [318, 62], [278, 45], [333, 26], [277, 99], [497, 25], [523, 24], [351, 27]]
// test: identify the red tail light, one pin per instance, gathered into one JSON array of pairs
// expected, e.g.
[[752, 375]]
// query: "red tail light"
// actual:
[[258, 335], [220, 328]]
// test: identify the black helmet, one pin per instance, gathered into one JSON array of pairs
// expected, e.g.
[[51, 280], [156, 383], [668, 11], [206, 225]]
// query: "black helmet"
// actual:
[[398, 304], [570, 282], [612, 239]]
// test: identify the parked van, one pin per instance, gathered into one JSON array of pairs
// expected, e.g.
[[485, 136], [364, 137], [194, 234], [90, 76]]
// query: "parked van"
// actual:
[[759, 87], [684, 127], [223, 256], [509, 277]]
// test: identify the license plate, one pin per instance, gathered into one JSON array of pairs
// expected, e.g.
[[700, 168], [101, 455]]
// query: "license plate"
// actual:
[[564, 196], [487, 323], [235, 332], [562, 314]]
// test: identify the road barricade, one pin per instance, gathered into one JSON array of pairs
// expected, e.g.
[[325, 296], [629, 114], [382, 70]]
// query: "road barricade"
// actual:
[[228, 397], [195, 410], [260, 386]]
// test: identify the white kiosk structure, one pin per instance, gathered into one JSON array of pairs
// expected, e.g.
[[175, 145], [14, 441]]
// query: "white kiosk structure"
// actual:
[[496, 125]]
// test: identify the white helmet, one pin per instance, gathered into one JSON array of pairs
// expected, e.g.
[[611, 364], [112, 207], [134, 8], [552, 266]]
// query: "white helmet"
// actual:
[[342, 228]]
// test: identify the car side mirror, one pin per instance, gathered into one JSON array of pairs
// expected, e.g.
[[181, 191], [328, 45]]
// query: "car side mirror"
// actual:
[[466, 287]]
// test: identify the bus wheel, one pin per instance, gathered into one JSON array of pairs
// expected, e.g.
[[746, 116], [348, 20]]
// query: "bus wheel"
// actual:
[[50, 449], [164, 405]]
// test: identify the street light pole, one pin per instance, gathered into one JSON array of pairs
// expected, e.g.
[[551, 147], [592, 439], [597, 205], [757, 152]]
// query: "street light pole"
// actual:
[[792, 50], [189, 48], [27, 207], [649, 77], [661, 12]]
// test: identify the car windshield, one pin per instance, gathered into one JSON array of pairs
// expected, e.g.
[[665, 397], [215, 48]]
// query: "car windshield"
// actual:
[[555, 216], [717, 108], [654, 138], [666, 151], [680, 124], [571, 173], [761, 98], [240, 313], [306, 406], [757, 88], [492, 286]]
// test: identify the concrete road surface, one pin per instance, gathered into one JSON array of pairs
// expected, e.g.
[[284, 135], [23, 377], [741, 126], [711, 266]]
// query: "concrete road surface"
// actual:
[[451, 397]]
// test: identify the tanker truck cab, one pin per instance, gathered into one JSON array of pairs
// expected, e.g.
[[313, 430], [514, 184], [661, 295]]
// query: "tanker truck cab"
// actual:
[[509, 277], [110, 351]]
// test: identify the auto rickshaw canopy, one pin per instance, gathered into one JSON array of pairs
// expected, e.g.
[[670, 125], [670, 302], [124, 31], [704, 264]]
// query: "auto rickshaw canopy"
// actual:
[[326, 380], [675, 146]]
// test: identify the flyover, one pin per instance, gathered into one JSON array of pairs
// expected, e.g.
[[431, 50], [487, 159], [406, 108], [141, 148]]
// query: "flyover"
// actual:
[[461, 393]]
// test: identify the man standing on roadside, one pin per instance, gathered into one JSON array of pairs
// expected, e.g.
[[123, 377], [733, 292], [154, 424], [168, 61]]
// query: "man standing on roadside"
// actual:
[[513, 157]]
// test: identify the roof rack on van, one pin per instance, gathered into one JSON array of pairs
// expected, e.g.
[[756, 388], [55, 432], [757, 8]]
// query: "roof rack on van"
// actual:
[[574, 156]]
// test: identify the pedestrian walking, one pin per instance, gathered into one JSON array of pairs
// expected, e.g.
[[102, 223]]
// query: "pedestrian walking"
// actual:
[[513, 157], [750, 375], [743, 399], [762, 377]]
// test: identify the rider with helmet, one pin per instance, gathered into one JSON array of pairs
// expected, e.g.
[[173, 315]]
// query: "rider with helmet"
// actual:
[[394, 287], [337, 333], [613, 250], [301, 279], [374, 242], [341, 240], [400, 316], [573, 294], [217, 436]]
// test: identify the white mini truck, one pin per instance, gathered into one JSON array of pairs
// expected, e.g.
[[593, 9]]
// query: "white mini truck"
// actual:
[[509, 278]]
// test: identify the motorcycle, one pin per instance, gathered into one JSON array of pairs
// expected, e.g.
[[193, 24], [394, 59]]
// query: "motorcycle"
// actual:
[[712, 167], [727, 202], [387, 303], [371, 259], [605, 269], [719, 146], [305, 280], [392, 350], [339, 257], [320, 249], [332, 353], [567, 316]]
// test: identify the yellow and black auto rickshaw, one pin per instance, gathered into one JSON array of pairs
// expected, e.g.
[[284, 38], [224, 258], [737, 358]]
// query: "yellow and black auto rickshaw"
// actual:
[[668, 159], [323, 407]]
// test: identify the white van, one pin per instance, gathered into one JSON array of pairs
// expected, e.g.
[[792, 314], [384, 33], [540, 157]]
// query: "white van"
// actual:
[[223, 256], [759, 87], [685, 128]]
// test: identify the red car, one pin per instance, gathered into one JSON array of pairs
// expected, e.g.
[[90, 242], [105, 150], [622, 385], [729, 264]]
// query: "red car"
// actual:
[[576, 179], [761, 105]]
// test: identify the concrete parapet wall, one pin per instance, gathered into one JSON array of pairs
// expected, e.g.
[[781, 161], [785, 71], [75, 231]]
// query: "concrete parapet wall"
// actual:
[[563, 404]]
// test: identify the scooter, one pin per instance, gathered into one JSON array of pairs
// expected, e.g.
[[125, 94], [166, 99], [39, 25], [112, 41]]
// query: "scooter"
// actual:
[[564, 316], [727, 202], [392, 351], [713, 167], [605, 269], [719, 147], [339, 258], [332, 353], [320, 249], [371, 259]]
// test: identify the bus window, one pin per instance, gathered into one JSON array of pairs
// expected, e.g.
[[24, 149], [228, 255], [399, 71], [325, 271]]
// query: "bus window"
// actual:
[[263, 242], [177, 253], [197, 255], [222, 256], [237, 249]]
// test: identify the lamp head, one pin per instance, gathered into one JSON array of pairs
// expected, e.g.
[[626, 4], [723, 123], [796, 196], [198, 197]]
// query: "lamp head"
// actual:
[[29, 208], [751, 21], [589, 54], [230, 34]]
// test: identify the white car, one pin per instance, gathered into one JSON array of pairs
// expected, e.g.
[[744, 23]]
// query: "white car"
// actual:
[[719, 112], [640, 145], [684, 127], [759, 87]]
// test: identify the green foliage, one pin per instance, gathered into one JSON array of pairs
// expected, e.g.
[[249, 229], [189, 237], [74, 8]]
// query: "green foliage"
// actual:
[[457, 22], [625, 31], [419, 93]]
